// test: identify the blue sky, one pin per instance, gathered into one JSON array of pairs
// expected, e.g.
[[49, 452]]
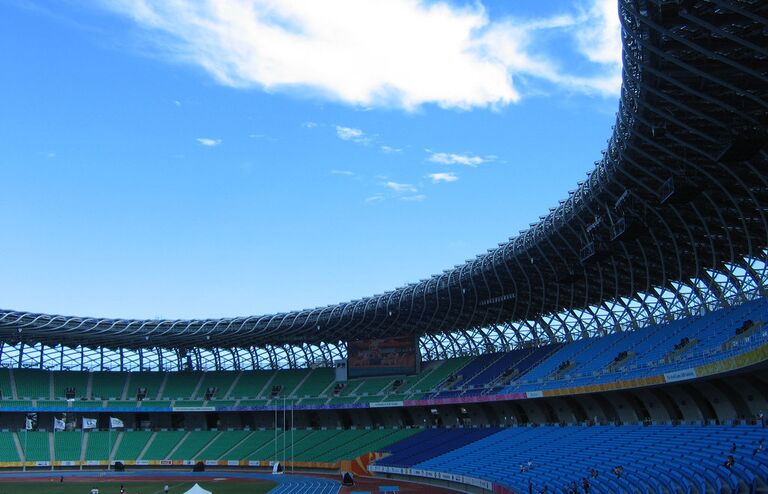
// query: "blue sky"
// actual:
[[238, 158]]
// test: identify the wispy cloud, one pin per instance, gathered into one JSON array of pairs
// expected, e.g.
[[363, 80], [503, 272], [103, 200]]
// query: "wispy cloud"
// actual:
[[454, 56], [458, 159], [400, 188], [264, 137], [352, 134], [309, 125], [414, 198], [374, 198], [443, 177], [208, 142], [177, 102], [389, 149], [348, 133], [345, 173]]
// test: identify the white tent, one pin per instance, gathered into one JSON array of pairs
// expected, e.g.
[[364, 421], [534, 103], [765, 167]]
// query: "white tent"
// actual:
[[196, 489]]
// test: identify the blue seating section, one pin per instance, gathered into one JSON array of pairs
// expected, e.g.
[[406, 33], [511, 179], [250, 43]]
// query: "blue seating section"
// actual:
[[655, 459], [651, 350], [432, 442]]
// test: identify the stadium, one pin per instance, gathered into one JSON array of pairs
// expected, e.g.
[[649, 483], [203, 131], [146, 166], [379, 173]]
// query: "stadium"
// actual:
[[618, 345]]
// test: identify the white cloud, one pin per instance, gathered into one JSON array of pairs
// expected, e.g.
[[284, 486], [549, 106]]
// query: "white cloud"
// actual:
[[50, 155], [348, 133], [344, 50], [208, 142], [400, 188], [177, 102], [443, 177], [345, 173], [351, 134], [414, 198], [376, 198], [309, 125], [459, 159], [389, 149]]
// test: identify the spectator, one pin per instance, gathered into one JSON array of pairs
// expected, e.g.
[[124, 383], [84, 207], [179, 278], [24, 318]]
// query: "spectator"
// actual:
[[522, 468], [165, 489], [761, 417], [758, 449], [733, 448], [585, 485], [530, 464], [530, 486], [729, 462]]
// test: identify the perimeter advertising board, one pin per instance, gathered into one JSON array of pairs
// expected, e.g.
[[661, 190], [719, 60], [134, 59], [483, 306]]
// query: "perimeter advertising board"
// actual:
[[386, 357]]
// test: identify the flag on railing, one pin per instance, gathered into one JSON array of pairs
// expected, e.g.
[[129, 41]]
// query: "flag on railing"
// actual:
[[58, 424], [89, 423], [28, 424], [114, 423]]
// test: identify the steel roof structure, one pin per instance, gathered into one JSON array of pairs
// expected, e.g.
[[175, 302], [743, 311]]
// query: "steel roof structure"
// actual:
[[672, 220]]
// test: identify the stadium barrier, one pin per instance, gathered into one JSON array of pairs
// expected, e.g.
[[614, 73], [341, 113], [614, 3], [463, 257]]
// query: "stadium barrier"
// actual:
[[447, 477]]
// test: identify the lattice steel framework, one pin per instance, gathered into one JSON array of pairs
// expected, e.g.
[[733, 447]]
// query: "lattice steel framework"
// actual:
[[671, 221]]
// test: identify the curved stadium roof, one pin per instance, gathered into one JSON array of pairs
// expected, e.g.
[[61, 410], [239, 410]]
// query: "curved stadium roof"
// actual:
[[672, 219]]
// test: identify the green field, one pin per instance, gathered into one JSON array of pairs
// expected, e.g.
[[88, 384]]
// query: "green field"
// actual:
[[133, 487]]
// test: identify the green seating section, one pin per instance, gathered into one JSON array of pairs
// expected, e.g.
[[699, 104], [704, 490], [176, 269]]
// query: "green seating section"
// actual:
[[99, 444], [255, 443], [313, 401], [16, 404], [192, 443], [221, 444], [32, 383], [66, 445], [155, 404], [221, 380], [187, 403], [251, 384], [253, 403], [283, 450], [221, 403], [329, 445], [334, 445], [149, 380], [5, 384], [343, 400], [181, 385], [70, 379], [429, 378], [373, 385], [90, 404], [122, 404], [109, 385], [318, 381], [132, 444], [288, 379], [350, 388], [8, 451], [251, 388], [52, 403], [162, 445], [37, 447]]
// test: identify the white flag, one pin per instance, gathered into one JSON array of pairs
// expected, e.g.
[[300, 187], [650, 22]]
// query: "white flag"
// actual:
[[89, 423], [28, 424], [115, 423], [58, 424]]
